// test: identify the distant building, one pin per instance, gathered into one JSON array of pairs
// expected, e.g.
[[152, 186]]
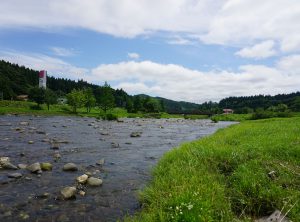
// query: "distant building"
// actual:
[[22, 97], [43, 79], [227, 111]]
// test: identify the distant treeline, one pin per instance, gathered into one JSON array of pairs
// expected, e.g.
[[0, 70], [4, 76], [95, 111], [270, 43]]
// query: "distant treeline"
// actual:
[[16, 80]]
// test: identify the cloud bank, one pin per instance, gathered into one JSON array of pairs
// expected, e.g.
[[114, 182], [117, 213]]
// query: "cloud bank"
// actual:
[[226, 22]]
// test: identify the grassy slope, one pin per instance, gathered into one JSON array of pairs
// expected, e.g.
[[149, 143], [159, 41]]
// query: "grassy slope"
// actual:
[[224, 177]]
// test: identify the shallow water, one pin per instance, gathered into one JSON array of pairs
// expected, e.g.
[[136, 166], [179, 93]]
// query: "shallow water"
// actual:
[[126, 169]]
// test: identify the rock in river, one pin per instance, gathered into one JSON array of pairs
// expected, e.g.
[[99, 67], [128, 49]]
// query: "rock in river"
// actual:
[[34, 168], [93, 181], [5, 163], [135, 134], [100, 162], [46, 166], [82, 179], [68, 192], [15, 175], [70, 167], [22, 166]]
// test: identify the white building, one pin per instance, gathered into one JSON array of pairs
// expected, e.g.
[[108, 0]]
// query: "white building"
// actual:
[[43, 79]]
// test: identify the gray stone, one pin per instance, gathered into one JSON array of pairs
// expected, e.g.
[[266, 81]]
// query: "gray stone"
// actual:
[[54, 146], [70, 167], [22, 166], [135, 134], [100, 162], [15, 175], [68, 192], [276, 216], [24, 123], [115, 145], [82, 179], [93, 181], [9, 166], [34, 168]]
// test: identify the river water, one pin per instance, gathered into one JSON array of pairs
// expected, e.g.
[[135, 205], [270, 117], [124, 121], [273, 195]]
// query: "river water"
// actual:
[[84, 141]]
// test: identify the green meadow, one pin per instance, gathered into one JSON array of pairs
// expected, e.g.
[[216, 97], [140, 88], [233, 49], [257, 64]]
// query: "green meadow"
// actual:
[[240, 173]]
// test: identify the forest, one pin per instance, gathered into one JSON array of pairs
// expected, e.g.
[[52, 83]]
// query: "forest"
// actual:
[[17, 80]]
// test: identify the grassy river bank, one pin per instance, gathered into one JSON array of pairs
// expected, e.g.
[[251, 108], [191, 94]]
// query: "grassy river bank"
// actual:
[[240, 173]]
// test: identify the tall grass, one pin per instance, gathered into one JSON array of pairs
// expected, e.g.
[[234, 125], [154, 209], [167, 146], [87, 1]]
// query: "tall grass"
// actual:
[[238, 174]]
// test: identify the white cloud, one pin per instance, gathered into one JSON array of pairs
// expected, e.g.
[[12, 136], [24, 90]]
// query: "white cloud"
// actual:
[[178, 40], [290, 65], [174, 81], [228, 22], [59, 51], [180, 83], [54, 66], [259, 51], [133, 55]]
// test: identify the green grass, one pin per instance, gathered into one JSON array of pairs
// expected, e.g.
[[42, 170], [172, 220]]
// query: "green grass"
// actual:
[[231, 117], [224, 177], [194, 117]]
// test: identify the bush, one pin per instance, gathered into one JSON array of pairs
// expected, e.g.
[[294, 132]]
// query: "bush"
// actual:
[[35, 107], [109, 116], [152, 115]]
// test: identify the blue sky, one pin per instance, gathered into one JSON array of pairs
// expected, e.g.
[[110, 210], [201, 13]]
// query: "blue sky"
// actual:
[[182, 49]]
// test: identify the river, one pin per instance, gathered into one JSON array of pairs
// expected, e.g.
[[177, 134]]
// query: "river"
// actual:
[[84, 141]]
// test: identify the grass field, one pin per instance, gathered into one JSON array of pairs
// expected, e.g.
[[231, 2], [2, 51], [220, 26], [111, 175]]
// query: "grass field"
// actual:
[[21, 107], [231, 117], [241, 173]]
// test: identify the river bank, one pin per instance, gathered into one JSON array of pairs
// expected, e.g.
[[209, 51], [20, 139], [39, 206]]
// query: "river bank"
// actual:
[[242, 173]]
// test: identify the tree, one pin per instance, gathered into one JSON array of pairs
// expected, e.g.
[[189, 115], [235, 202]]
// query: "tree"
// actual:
[[76, 99], [37, 95], [137, 103], [106, 99], [50, 98], [90, 99], [129, 105]]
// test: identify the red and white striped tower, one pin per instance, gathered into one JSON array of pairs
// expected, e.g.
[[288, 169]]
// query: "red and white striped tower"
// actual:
[[42, 79]]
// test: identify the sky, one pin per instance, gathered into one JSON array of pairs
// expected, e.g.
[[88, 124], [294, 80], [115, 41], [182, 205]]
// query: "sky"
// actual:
[[185, 50]]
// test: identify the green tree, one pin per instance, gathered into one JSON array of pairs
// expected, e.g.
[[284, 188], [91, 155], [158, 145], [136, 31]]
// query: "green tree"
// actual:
[[90, 99], [137, 104], [37, 95], [106, 99], [129, 105], [50, 98], [76, 99]]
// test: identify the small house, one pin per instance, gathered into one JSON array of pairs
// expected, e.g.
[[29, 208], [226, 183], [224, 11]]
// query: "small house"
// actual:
[[22, 97], [227, 111]]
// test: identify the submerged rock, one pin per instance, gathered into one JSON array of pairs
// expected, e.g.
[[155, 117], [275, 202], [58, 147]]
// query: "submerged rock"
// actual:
[[55, 146], [68, 192], [93, 181], [15, 175], [22, 166], [115, 145], [135, 134], [70, 167]]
